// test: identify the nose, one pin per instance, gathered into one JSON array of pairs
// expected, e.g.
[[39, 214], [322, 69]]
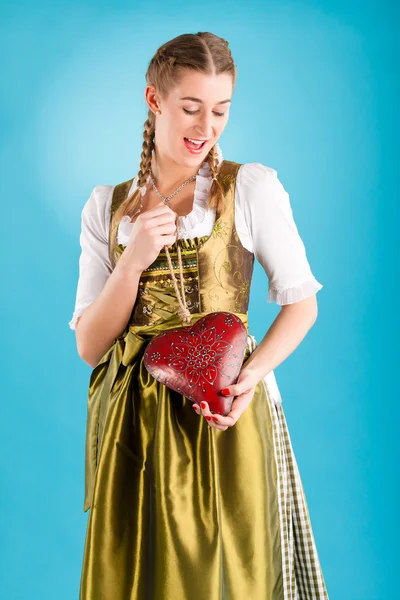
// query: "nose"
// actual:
[[205, 125]]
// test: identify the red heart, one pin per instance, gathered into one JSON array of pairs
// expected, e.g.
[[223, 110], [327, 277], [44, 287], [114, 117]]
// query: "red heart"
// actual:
[[198, 361]]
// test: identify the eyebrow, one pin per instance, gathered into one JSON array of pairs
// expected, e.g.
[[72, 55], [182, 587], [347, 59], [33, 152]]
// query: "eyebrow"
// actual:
[[201, 101]]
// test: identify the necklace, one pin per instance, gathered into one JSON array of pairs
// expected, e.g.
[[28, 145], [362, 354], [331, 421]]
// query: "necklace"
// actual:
[[183, 311], [166, 199]]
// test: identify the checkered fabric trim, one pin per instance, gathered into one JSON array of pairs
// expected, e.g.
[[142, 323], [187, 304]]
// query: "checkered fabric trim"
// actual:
[[302, 574]]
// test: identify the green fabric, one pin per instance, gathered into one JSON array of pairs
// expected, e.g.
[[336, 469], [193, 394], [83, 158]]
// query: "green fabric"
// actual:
[[180, 510]]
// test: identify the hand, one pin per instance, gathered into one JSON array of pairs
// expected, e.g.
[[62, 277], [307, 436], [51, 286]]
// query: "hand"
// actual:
[[243, 390], [151, 231]]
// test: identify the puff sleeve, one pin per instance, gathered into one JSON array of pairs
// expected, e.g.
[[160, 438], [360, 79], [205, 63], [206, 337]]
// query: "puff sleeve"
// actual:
[[94, 261], [272, 234]]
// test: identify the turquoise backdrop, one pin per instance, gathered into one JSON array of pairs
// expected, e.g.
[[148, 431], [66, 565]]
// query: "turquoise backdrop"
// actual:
[[316, 100]]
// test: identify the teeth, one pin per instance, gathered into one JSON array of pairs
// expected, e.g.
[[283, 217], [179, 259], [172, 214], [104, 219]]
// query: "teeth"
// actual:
[[196, 141]]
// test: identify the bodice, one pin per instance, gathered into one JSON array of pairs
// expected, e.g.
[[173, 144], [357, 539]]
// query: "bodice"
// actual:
[[217, 268], [156, 298]]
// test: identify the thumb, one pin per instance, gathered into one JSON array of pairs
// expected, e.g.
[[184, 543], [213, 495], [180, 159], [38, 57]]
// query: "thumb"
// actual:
[[236, 389]]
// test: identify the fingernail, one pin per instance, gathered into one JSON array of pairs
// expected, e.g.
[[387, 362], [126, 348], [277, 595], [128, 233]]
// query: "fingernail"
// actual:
[[203, 404], [225, 391], [208, 418], [215, 419]]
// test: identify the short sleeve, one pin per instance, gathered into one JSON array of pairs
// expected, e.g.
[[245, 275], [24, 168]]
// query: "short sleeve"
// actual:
[[94, 261], [270, 232]]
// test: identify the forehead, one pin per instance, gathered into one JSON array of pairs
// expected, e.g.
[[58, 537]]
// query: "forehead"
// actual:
[[208, 88]]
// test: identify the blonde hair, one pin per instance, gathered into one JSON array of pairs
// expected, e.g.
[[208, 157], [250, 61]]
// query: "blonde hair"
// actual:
[[203, 52]]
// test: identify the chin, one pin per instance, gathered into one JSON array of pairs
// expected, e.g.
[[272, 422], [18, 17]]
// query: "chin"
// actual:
[[192, 160], [195, 158]]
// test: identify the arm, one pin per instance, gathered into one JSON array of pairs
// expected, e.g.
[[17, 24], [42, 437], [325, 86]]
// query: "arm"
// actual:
[[266, 226], [106, 318], [104, 297], [284, 335], [273, 236], [286, 332]]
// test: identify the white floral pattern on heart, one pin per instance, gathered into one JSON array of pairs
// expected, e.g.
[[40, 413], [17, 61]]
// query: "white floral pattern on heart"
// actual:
[[199, 356]]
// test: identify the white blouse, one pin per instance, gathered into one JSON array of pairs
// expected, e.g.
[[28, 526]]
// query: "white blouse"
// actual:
[[264, 223]]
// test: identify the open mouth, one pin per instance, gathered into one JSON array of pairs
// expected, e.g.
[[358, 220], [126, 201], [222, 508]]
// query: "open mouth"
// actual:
[[194, 145]]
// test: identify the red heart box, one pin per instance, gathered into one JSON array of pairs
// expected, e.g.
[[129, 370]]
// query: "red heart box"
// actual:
[[198, 361]]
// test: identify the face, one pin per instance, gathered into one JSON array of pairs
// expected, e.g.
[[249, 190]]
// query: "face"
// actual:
[[197, 109]]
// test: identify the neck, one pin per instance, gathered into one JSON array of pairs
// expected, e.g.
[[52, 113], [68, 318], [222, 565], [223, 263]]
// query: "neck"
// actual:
[[168, 174]]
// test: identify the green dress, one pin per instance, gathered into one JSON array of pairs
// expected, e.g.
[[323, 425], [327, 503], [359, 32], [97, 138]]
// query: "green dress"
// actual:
[[180, 510]]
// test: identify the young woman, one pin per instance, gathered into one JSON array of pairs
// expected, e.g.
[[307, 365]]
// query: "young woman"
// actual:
[[186, 504]]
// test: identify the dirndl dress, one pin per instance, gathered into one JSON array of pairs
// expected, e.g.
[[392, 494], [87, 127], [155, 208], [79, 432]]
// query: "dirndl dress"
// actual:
[[180, 510]]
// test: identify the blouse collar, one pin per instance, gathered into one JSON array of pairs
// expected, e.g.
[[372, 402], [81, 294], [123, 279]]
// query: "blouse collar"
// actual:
[[197, 214]]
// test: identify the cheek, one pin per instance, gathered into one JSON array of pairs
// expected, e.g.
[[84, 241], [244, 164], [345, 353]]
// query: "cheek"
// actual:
[[168, 133], [178, 121], [221, 126]]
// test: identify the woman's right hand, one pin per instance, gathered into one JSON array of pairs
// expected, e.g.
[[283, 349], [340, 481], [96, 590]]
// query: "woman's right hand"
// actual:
[[151, 231]]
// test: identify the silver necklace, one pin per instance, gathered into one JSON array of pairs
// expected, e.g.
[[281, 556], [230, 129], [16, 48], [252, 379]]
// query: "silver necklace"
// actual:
[[166, 199]]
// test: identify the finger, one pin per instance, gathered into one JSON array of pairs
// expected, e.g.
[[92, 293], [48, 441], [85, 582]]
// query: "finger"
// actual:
[[162, 232], [210, 417], [236, 389], [239, 405], [166, 240], [158, 221], [223, 421], [205, 409], [158, 210], [219, 422]]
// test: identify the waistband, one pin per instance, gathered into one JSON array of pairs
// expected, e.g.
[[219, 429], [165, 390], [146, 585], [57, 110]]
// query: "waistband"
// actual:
[[134, 339]]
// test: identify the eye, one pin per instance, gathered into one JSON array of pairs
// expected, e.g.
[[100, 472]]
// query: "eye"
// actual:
[[193, 112]]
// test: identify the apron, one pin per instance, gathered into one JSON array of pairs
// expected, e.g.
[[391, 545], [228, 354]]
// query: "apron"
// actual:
[[180, 510]]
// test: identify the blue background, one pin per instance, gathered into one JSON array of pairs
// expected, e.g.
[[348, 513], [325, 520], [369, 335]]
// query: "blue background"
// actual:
[[316, 100]]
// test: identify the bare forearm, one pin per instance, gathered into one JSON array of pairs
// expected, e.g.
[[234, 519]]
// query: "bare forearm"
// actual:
[[106, 318], [285, 334]]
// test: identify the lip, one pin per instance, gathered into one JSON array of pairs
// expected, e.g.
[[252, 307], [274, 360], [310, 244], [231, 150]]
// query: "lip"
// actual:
[[191, 150]]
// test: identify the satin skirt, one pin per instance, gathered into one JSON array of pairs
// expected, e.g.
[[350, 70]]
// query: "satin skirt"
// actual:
[[180, 510]]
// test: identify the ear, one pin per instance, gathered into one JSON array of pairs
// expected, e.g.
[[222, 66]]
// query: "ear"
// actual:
[[152, 98]]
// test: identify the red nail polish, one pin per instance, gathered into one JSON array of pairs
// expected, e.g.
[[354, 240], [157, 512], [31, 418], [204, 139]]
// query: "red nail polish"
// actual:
[[203, 404], [208, 418], [215, 419], [225, 391]]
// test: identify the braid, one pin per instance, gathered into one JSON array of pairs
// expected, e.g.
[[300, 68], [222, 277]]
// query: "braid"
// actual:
[[132, 203], [147, 149], [216, 197]]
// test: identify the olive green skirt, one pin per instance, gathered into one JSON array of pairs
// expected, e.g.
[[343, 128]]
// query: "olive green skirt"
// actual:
[[182, 511]]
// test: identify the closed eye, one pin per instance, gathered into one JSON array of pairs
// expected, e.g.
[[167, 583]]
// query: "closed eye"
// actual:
[[193, 112]]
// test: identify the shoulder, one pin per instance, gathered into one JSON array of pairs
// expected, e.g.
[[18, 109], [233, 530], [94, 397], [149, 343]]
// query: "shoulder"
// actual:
[[256, 173], [99, 199], [96, 211], [258, 186]]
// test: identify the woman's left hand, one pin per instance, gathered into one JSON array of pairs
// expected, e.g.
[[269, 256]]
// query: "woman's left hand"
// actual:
[[243, 392]]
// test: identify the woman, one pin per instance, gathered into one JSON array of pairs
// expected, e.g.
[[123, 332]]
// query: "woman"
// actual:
[[184, 505]]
